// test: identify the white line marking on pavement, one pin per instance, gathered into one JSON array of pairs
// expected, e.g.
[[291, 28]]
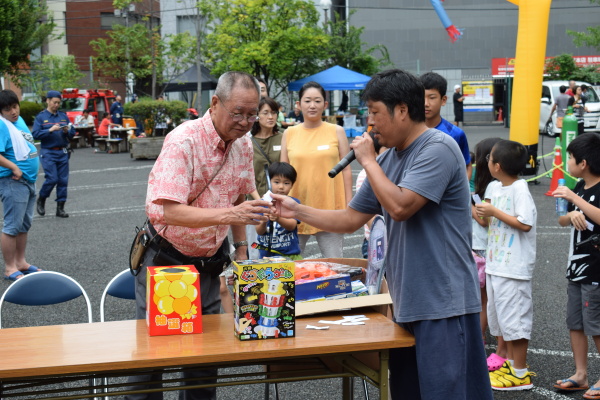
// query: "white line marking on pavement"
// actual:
[[550, 394], [88, 171], [107, 185]]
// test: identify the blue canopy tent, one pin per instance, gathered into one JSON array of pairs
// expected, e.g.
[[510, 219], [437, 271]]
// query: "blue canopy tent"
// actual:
[[334, 78]]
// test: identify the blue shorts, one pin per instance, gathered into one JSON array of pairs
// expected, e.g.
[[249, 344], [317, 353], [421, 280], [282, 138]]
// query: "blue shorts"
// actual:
[[447, 362], [18, 201]]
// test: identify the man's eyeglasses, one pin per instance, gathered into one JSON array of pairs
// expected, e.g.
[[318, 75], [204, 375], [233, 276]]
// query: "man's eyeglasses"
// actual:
[[236, 117]]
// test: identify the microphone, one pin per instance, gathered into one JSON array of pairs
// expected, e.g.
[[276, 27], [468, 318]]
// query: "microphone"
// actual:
[[351, 157]]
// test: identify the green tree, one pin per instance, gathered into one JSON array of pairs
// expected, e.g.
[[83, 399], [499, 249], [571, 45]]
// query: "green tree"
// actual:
[[21, 33], [563, 67], [279, 40], [113, 59], [178, 55], [590, 38], [560, 68], [54, 72], [346, 48]]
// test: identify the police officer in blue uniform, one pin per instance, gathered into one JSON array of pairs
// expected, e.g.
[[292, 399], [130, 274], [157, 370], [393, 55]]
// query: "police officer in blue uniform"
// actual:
[[53, 129], [116, 111]]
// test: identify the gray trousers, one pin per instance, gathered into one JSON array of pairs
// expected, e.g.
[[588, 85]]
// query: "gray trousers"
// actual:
[[211, 304]]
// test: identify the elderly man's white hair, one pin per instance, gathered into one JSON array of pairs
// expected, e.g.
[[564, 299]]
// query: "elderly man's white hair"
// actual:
[[230, 80]]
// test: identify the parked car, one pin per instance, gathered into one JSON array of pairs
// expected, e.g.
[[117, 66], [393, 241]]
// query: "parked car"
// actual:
[[97, 101], [550, 92]]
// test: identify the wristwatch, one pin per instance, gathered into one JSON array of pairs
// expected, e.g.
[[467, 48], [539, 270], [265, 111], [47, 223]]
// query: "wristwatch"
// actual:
[[237, 245]]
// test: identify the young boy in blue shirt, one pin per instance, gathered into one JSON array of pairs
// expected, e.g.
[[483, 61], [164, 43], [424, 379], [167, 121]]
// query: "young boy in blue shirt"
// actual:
[[284, 239], [583, 270], [510, 261], [435, 97]]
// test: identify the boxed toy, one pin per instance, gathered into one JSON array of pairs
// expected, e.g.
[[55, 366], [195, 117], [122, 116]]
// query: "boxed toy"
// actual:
[[173, 300], [323, 287], [264, 298]]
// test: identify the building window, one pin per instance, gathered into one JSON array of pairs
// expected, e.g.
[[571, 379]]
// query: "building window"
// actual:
[[107, 20], [186, 23]]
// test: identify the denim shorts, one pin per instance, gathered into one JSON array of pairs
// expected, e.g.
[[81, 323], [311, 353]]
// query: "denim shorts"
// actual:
[[18, 201]]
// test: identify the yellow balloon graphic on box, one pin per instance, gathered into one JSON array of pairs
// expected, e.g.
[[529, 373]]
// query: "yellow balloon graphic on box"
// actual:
[[165, 305], [161, 288], [178, 289], [192, 293]]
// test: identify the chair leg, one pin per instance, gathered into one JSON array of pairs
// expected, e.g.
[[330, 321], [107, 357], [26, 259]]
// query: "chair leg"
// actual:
[[267, 391], [276, 391]]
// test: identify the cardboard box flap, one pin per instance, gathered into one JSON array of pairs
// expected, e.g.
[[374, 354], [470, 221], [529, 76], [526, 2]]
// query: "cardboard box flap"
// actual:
[[315, 307]]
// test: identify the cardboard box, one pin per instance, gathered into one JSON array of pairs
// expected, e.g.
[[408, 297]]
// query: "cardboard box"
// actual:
[[264, 299], [173, 304], [380, 302], [326, 286]]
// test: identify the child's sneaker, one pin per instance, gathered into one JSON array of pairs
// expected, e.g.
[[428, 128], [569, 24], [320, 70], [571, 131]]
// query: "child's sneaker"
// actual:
[[506, 379], [504, 369]]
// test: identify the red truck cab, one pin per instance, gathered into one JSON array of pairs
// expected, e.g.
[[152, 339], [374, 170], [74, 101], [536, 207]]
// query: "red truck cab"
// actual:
[[97, 101]]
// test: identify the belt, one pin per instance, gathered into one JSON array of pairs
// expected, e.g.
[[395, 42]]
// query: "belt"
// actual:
[[213, 265], [57, 148]]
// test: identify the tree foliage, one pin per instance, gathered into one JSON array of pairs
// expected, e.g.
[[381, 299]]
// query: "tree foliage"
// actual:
[[21, 33], [53, 73], [153, 112], [563, 67], [346, 48], [560, 68], [126, 48], [589, 38], [129, 49], [279, 40]]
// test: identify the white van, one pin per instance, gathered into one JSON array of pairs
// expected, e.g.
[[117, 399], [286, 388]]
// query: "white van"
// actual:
[[550, 92]]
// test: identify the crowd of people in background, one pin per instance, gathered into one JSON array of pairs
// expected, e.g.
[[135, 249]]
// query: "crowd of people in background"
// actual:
[[419, 182]]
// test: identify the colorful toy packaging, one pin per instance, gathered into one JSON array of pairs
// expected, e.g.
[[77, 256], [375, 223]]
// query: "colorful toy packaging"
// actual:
[[173, 300], [264, 293]]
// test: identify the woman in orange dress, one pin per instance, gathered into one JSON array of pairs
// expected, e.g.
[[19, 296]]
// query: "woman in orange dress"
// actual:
[[313, 148]]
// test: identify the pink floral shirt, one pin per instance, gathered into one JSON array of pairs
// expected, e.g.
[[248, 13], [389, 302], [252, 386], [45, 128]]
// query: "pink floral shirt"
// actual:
[[190, 156]]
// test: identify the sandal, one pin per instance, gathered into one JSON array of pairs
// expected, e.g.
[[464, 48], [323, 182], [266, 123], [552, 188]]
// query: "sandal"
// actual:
[[494, 362]]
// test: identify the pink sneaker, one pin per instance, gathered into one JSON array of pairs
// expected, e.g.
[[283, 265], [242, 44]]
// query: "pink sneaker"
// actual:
[[494, 362]]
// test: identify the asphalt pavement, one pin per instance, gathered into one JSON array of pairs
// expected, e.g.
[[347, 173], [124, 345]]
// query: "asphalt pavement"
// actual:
[[106, 201]]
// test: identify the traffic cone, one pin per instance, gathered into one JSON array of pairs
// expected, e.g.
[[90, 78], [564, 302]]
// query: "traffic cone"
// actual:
[[556, 173], [500, 115]]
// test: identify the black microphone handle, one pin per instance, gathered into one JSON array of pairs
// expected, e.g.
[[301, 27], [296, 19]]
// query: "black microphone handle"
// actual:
[[342, 164], [351, 157]]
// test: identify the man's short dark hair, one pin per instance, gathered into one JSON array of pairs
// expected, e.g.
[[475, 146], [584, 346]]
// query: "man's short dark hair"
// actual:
[[8, 98], [562, 88], [283, 169], [587, 147], [395, 87], [433, 81], [512, 156]]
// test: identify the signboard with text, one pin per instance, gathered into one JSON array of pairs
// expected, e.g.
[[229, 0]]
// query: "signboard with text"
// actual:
[[506, 66]]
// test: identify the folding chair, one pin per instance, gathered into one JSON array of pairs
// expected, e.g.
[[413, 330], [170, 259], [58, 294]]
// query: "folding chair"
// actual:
[[45, 288], [121, 286]]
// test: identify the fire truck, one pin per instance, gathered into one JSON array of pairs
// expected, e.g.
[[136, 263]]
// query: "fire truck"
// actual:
[[97, 101]]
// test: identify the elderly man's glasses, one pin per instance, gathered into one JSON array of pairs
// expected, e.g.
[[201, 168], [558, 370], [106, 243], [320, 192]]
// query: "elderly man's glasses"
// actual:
[[236, 117]]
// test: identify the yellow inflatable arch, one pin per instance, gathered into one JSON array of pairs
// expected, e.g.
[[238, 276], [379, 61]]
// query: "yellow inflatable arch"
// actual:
[[529, 69]]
